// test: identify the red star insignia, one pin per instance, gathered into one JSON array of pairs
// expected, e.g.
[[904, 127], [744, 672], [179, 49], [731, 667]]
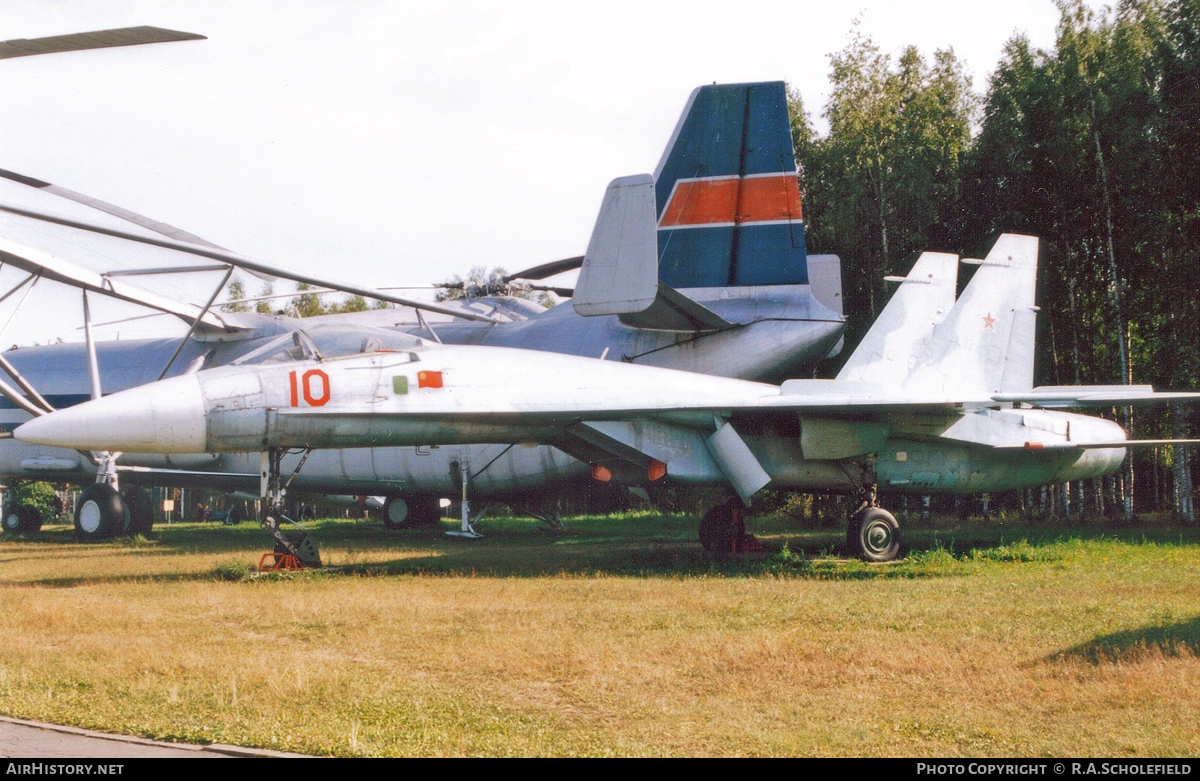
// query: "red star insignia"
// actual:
[[989, 322]]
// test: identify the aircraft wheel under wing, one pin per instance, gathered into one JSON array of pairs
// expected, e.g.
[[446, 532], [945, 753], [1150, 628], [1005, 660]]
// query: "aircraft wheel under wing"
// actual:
[[21, 519], [722, 528], [873, 535], [100, 513], [423, 512], [395, 513], [141, 512]]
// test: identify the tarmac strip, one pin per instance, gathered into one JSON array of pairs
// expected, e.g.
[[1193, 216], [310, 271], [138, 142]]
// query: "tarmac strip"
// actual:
[[21, 739]]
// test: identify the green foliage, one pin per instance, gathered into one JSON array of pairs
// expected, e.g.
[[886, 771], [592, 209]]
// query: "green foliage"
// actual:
[[351, 304], [884, 184], [38, 494], [1091, 145], [233, 570], [305, 304], [264, 307], [237, 291], [308, 304]]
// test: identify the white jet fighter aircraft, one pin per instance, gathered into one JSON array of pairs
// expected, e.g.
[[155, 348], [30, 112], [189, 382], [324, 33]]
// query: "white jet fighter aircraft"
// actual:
[[700, 266], [938, 398]]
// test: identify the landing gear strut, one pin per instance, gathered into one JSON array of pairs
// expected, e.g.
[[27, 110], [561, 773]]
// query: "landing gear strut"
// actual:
[[467, 532], [873, 533], [723, 530], [301, 545]]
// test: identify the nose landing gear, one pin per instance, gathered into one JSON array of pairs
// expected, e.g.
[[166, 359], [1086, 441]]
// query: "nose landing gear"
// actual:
[[300, 545]]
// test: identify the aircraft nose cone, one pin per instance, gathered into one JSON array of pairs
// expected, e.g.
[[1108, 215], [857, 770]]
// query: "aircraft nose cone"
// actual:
[[162, 417]]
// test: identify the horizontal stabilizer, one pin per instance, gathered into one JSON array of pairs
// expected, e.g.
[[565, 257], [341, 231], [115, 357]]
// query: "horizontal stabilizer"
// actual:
[[620, 269], [673, 311]]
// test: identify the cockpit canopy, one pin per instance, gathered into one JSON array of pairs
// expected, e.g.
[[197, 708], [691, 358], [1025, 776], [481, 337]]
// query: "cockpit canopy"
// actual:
[[330, 341]]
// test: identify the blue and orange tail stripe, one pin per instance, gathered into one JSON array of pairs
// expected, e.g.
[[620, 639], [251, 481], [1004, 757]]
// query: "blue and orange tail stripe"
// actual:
[[728, 198]]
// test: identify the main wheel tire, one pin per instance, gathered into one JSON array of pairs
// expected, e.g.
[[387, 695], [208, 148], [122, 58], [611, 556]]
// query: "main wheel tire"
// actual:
[[395, 513], [33, 519], [423, 512], [141, 511], [873, 535], [100, 513], [21, 519], [719, 531], [13, 519]]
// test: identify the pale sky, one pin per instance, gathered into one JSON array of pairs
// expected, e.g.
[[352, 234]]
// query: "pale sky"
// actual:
[[388, 142]]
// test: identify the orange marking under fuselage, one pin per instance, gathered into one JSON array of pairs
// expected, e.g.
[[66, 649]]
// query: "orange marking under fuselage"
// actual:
[[714, 201]]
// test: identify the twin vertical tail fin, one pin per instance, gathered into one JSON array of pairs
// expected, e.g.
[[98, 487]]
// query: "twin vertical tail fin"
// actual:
[[986, 343], [888, 353], [983, 344]]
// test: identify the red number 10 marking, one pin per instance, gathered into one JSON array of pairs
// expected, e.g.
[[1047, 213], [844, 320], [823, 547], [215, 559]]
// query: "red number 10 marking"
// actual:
[[305, 385]]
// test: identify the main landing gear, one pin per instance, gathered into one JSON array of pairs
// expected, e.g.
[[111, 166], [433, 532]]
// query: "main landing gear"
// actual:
[[411, 513], [101, 513], [22, 519], [873, 533], [723, 530]]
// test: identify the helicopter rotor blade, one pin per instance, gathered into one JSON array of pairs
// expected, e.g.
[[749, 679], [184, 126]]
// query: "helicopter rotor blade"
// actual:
[[547, 269]]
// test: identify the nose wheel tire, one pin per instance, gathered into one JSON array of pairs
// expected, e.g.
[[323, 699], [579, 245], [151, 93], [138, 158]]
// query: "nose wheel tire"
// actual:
[[873, 535], [100, 513]]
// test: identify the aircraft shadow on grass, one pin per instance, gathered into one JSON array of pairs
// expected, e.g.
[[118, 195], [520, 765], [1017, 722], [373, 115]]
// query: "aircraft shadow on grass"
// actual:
[[638, 550], [1181, 638], [506, 553]]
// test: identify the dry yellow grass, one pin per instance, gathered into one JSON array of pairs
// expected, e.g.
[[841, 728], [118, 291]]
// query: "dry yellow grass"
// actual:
[[533, 643]]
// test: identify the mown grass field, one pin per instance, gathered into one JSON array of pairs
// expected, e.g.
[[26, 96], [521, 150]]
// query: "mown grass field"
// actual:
[[615, 636]]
